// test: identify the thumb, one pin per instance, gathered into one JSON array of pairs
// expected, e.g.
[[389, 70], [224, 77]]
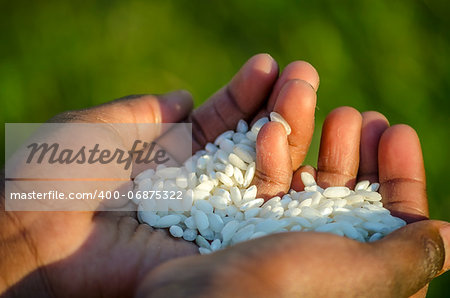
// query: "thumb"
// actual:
[[415, 254], [126, 124], [141, 110], [171, 107]]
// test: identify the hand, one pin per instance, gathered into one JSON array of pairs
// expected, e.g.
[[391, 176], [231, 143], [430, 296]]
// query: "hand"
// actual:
[[108, 253], [353, 147]]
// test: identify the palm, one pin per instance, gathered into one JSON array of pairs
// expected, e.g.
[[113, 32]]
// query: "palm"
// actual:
[[109, 252], [291, 264], [115, 253]]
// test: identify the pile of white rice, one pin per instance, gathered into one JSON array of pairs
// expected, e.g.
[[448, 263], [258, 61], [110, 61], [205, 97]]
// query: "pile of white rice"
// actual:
[[223, 208]]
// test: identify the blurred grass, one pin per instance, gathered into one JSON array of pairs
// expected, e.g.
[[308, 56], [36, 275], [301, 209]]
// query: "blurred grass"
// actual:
[[390, 56]]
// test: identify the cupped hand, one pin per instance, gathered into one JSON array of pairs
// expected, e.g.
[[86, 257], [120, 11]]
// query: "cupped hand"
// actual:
[[353, 147], [108, 253]]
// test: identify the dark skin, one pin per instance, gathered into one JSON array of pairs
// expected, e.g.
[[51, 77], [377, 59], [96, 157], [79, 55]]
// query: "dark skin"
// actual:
[[110, 254]]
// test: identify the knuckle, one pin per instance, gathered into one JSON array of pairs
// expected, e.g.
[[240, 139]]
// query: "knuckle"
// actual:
[[277, 178]]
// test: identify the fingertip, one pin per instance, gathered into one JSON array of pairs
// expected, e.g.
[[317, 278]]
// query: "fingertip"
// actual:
[[297, 183], [252, 83], [182, 97], [402, 131], [179, 92], [241, 98], [345, 112], [175, 105], [302, 87], [400, 154], [369, 116], [264, 63], [271, 137], [303, 70], [296, 97], [300, 70], [373, 125]]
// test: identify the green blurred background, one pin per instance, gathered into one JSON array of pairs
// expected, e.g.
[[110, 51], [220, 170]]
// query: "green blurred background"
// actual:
[[390, 56]]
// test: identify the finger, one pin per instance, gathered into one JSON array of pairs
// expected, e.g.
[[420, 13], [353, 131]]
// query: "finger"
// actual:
[[339, 148], [423, 254], [300, 70], [373, 126], [273, 163], [166, 108], [129, 122], [240, 99], [141, 112], [297, 183], [136, 110], [297, 70], [297, 103], [402, 173]]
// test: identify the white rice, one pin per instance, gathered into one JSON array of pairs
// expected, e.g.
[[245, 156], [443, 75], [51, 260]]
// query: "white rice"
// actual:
[[258, 125], [201, 220], [202, 242], [167, 221], [274, 116], [336, 192], [176, 231], [242, 126], [222, 207], [229, 229], [189, 234], [216, 244], [307, 179], [249, 194]]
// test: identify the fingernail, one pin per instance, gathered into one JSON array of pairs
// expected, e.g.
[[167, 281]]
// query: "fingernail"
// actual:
[[180, 100], [264, 63], [444, 230], [174, 106]]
